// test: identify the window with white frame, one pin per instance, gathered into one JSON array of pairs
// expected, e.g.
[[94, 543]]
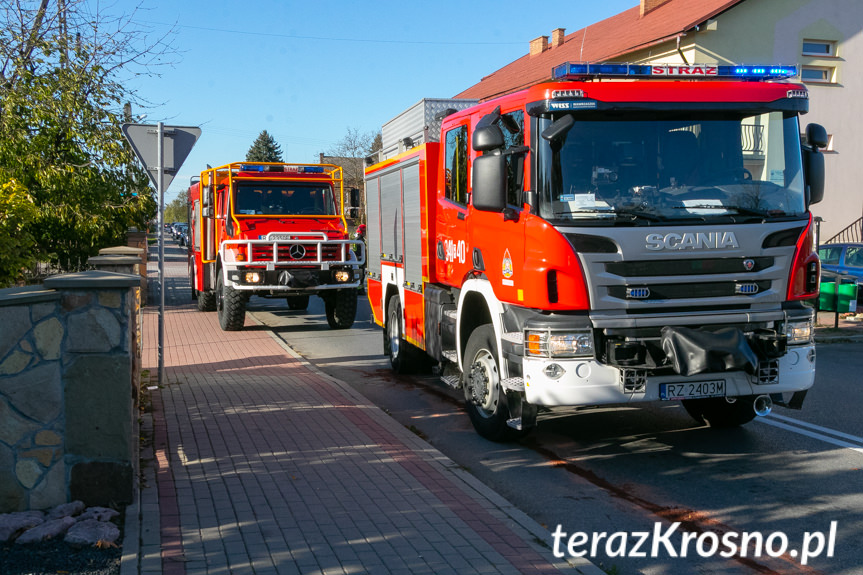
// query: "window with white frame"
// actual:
[[820, 48], [821, 74]]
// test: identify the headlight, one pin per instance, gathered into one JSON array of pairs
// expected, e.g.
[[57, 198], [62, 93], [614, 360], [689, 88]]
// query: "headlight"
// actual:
[[559, 344], [253, 277], [798, 332], [343, 276]]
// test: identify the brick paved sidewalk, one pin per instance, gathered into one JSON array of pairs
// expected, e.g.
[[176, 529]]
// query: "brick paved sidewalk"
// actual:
[[264, 465]]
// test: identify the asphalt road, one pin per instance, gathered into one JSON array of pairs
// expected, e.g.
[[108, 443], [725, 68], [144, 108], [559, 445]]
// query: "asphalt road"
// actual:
[[641, 469]]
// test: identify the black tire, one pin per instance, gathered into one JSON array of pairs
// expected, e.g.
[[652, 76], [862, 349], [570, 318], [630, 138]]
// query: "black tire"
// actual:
[[206, 299], [341, 308], [298, 302], [720, 412], [485, 399], [230, 305], [400, 352]]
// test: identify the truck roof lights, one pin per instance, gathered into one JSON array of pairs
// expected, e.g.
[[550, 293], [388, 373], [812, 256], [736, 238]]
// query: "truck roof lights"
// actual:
[[583, 70]]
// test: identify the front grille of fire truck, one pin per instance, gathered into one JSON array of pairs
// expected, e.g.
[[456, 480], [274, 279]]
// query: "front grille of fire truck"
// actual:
[[649, 285], [309, 253]]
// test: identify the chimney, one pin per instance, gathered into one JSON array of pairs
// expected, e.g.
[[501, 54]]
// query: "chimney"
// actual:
[[650, 5], [538, 45], [557, 37]]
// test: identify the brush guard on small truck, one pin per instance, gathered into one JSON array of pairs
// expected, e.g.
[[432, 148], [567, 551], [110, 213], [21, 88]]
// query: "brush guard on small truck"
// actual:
[[287, 262]]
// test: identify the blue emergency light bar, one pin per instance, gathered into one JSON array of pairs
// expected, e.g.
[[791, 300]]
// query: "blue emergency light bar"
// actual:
[[294, 169], [582, 70]]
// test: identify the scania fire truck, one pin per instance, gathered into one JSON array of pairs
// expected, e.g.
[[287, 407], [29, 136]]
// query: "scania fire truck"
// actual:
[[622, 233], [273, 230]]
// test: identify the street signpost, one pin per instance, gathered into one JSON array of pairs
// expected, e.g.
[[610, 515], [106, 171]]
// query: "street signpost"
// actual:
[[162, 150]]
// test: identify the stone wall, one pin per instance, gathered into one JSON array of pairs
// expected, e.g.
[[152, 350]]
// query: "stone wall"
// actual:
[[66, 391]]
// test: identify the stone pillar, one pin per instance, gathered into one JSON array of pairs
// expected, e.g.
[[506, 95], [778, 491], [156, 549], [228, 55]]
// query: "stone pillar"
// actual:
[[32, 465], [99, 311], [139, 252], [67, 416]]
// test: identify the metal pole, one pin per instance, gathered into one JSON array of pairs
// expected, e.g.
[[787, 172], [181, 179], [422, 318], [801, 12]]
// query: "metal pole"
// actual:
[[160, 154]]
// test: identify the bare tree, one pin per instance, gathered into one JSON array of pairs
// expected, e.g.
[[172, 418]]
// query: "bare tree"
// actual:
[[354, 146]]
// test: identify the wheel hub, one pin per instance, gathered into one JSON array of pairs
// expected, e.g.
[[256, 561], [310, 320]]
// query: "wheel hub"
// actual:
[[483, 382]]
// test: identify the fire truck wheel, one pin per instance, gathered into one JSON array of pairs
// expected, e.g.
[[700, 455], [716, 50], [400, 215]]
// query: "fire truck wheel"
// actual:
[[341, 308], [206, 301], [298, 302], [485, 399], [230, 305], [720, 412], [395, 345]]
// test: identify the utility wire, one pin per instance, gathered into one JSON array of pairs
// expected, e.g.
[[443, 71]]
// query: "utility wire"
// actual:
[[332, 39]]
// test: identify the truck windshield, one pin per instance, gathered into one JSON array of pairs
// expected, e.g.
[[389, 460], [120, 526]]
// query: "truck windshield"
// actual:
[[283, 199], [643, 168]]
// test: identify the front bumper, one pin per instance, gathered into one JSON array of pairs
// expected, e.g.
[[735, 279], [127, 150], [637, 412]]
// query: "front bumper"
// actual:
[[588, 382], [298, 263]]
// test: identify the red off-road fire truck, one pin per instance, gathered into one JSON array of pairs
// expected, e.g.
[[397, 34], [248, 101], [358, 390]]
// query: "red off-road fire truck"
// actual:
[[272, 230], [624, 233]]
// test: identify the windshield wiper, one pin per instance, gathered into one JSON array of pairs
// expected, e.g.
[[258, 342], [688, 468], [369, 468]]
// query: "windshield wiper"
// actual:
[[636, 214], [742, 210]]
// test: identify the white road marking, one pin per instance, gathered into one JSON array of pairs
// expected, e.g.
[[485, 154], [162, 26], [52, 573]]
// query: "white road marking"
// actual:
[[800, 427]]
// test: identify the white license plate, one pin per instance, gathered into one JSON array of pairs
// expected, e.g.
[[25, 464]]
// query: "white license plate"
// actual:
[[692, 390]]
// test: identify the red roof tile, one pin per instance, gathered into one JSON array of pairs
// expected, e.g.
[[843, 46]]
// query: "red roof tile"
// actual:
[[607, 39]]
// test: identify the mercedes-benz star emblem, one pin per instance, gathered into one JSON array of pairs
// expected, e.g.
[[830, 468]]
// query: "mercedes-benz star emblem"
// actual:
[[297, 252]]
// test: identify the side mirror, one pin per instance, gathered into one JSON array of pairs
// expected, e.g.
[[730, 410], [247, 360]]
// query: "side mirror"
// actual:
[[489, 183], [813, 162], [487, 138], [558, 129], [207, 202], [816, 136], [814, 170]]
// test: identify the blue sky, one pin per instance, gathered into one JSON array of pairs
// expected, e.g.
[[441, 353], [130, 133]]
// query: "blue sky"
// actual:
[[306, 71]]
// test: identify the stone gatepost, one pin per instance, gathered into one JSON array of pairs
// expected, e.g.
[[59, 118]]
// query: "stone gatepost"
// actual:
[[67, 417], [137, 252]]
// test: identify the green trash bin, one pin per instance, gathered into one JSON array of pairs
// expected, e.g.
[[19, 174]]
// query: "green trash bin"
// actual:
[[847, 301]]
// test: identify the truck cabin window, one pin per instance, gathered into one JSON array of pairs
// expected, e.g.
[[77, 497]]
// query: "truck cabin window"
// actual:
[[456, 165], [261, 199], [656, 167]]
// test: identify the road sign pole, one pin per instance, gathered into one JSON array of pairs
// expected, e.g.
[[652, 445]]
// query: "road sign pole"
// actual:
[[160, 153], [182, 139]]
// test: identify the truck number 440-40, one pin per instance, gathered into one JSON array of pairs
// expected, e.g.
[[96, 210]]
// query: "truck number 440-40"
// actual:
[[455, 251]]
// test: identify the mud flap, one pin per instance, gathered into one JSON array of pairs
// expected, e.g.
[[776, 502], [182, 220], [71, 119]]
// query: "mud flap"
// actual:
[[693, 351]]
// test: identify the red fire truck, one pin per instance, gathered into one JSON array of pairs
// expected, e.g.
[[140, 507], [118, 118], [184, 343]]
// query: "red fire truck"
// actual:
[[272, 230], [624, 233]]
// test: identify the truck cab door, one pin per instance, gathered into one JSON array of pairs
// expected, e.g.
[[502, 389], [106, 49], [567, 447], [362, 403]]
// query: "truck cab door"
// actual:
[[497, 220], [452, 261]]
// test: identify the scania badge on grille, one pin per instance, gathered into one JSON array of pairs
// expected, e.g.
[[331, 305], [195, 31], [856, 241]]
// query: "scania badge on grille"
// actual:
[[748, 264]]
